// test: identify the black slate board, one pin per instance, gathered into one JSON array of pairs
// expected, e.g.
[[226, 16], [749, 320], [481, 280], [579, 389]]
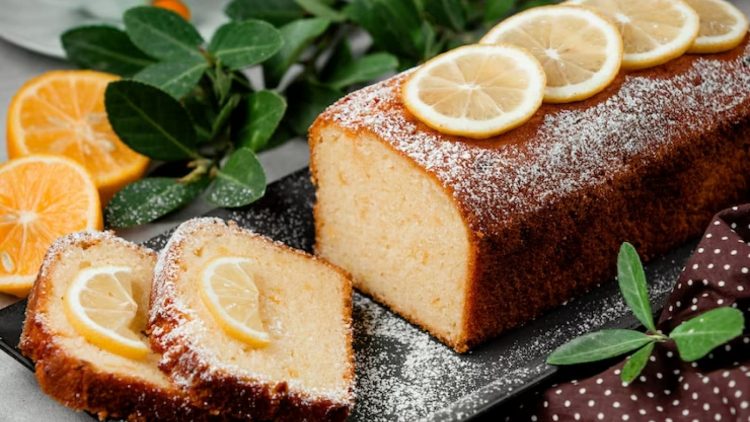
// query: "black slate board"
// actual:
[[402, 373]]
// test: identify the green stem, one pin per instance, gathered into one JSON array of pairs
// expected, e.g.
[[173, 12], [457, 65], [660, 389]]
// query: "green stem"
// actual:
[[658, 337], [200, 167]]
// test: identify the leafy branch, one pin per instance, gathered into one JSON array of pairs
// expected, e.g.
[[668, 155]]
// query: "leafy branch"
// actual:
[[188, 100], [694, 338]]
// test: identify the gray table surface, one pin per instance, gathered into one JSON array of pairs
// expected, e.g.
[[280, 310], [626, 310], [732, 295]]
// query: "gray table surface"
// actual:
[[20, 398]]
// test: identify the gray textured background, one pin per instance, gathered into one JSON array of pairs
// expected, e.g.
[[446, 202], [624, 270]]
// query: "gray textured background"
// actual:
[[20, 398]]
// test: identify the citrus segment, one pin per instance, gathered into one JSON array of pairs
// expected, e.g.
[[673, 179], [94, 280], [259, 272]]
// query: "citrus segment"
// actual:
[[580, 51], [41, 199], [653, 31], [62, 113], [231, 296], [103, 307], [723, 26], [476, 91]]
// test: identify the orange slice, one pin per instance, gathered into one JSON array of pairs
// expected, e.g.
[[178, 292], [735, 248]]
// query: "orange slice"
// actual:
[[41, 198], [62, 113]]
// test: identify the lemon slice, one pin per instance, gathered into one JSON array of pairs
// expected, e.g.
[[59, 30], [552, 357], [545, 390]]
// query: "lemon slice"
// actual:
[[101, 306], [580, 50], [231, 296], [654, 31], [723, 26], [476, 91]]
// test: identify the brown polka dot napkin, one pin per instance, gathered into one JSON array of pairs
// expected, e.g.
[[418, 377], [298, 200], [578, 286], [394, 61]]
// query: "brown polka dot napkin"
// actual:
[[716, 388]]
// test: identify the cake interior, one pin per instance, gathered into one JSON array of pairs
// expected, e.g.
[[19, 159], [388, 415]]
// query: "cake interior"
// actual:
[[63, 272], [394, 228], [303, 306]]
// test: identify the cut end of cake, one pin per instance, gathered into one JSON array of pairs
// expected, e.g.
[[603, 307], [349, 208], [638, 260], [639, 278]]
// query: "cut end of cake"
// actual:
[[305, 367], [394, 227], [82, 375]]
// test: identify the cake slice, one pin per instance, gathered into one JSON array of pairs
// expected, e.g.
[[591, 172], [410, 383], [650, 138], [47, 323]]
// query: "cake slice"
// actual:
[[470, 238], [79, 373], [252, 328]]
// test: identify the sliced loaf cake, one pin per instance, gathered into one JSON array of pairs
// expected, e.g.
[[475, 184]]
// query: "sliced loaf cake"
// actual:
[[251, 328], [87, 278]]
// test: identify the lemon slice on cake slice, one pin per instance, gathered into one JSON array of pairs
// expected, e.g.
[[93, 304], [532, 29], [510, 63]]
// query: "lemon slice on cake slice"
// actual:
[[653, 31], [581, 51], [101, 305], [231, 296], [723, 26], [477, 91]]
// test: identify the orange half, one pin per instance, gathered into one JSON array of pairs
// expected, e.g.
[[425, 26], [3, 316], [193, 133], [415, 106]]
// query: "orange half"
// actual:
[[62, 113], [41, 199]]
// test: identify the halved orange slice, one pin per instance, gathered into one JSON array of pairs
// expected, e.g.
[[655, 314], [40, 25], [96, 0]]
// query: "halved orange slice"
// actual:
[[62, 113], [41, 199]]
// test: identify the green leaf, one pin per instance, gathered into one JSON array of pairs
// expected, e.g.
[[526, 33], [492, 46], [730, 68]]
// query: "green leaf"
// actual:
[[340, 57], [243, 44], [276, 12], [297, 35], [177, 78], [364, 69], [322, 10], [395, 25], [447, 13], [224, 114], [241, 181], [221, 82], [599, 345], [264, 111], [496, 10], [103, 48], [161, 33], [150, 121], [696, 337], [632, 280], [147, 199], [635, 363], [306, 101], [202, 114]]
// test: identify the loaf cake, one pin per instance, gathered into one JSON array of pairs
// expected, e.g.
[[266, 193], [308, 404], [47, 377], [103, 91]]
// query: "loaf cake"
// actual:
[[80, 374], [470, 238], [303, 370]]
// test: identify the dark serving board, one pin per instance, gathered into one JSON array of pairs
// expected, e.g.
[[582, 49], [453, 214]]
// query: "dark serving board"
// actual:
[[403, 373]]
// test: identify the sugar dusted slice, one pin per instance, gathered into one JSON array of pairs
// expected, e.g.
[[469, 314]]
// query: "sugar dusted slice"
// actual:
[[80, 374], [304, 371]]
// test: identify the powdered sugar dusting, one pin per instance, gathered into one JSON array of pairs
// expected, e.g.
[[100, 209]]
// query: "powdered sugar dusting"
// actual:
[[404, 374], [64, 243], [563, 148]]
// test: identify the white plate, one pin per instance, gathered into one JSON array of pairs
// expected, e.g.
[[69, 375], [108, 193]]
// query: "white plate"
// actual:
[[37, 24]]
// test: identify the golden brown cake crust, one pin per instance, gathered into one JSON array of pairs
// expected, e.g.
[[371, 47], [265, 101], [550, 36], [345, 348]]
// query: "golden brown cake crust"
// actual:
[[649, 160], [79, 384], [221, 391]]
